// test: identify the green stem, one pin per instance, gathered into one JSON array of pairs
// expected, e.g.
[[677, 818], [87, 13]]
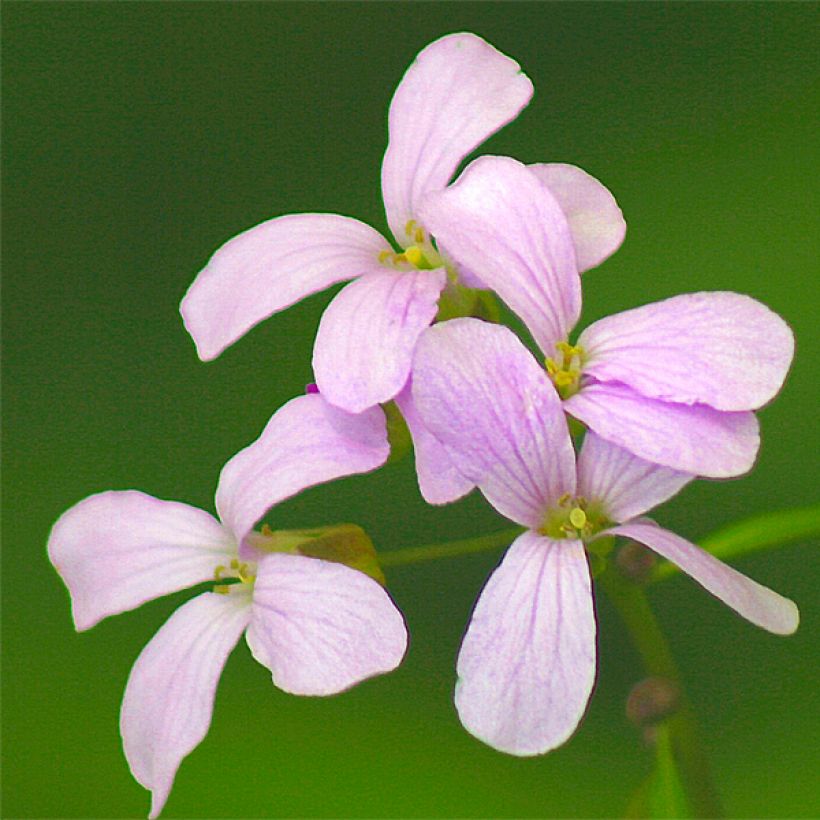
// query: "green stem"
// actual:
[[753, 534], [432, 552], [633, 607]]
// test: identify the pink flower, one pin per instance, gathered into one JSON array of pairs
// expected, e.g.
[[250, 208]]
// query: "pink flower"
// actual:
[[320, 627], [458, 92], [674, 382], [527, 663]]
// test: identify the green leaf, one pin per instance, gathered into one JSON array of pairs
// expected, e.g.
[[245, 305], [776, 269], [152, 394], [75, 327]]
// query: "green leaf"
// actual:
[[761, 532]]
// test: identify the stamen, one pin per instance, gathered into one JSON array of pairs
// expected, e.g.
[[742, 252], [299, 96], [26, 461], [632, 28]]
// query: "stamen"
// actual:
[[419, 236], [384, 256], [410, 227], [413, 255]]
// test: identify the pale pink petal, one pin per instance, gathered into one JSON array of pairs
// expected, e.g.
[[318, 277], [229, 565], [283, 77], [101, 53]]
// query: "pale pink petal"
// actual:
[[691, 438], [306, 442], [501, 223], [270, 267], [620, 482], [595, 220], [169, 698], [483, 396], [118, 549], [756, 603], [439, 480], [458, 91], [527, 663], [364, 346], [722, 349], [322, 627]]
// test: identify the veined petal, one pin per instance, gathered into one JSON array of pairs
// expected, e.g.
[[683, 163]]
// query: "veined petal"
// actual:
[[722, 349], [458, 91], [322, 627], [169, 698], [483, 396], [500, 222], [118, 549], [306, 442], [756, 603], [622, 483], [527, 663], [691, 438], [595, 220], [439, 480], [365, 342], [271, 267]]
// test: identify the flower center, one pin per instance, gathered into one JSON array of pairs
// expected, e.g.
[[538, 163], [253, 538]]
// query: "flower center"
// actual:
[[237, 572], [565, 369], [573, 518], [419, 254]]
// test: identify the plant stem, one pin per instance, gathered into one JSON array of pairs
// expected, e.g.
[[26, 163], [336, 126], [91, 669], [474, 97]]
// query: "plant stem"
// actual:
[[633, 607], [466, 546]]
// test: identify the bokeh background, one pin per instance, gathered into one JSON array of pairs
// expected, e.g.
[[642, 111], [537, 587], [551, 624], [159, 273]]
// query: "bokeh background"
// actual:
[[138, 138]]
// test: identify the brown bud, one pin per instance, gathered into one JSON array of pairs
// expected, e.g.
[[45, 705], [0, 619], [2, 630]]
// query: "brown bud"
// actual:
[[635, 562], [652, 700]]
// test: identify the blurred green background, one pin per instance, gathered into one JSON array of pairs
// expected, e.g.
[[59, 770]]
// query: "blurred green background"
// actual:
[[138, 138]]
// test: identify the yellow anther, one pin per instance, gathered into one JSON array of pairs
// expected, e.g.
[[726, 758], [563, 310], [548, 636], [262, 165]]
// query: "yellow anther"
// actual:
[[223, 589], [266, 530], [235, 563], [578, 518], [245, 576], [419, 236], [564, 378], [563, 499], [413, 255], [218, 572], [552, 366], [399, 257], [410, 227], [384, 256]]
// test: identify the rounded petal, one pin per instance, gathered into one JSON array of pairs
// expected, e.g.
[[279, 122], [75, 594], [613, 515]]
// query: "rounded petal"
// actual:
[[483, 396], [691, 438], [270, 267], [439, 480], [367, 335], [502, 224], [322, 627], [595, 220], [622, 483], [722, 349], [527, 663], [756, 603], [458, 91], [169, 698], [118, 549], [306, 442]]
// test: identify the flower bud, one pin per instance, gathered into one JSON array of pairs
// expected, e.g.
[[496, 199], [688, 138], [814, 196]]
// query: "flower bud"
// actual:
[[652, 700], [635, 562]]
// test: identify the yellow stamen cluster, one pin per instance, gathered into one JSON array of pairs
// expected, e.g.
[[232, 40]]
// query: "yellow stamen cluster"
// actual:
[[565, 370], [420, 255], [571, 518], [236, 569]]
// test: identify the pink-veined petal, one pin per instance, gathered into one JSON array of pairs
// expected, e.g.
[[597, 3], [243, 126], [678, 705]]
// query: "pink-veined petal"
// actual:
[[691, 438], [439, 480], [500, 222], [758, 604], [365, 342], [169, 698], [595, 220], [322, 627], [306, 442], [270, 267], [458, 91], [118, 549], [623, 484], [527, 663], [723, 349], [483, 396]]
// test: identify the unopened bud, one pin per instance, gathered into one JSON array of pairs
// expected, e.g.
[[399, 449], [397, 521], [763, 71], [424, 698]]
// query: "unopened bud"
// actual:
[[652, 700], [635, 562]]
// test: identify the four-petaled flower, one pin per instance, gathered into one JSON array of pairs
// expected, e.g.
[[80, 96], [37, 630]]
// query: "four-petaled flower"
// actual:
[[527, 662], [319, 626], [458, 92], [674, 382]]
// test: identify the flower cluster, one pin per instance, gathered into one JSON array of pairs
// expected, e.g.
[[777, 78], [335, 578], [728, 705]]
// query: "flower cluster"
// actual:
[[663, 393]]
